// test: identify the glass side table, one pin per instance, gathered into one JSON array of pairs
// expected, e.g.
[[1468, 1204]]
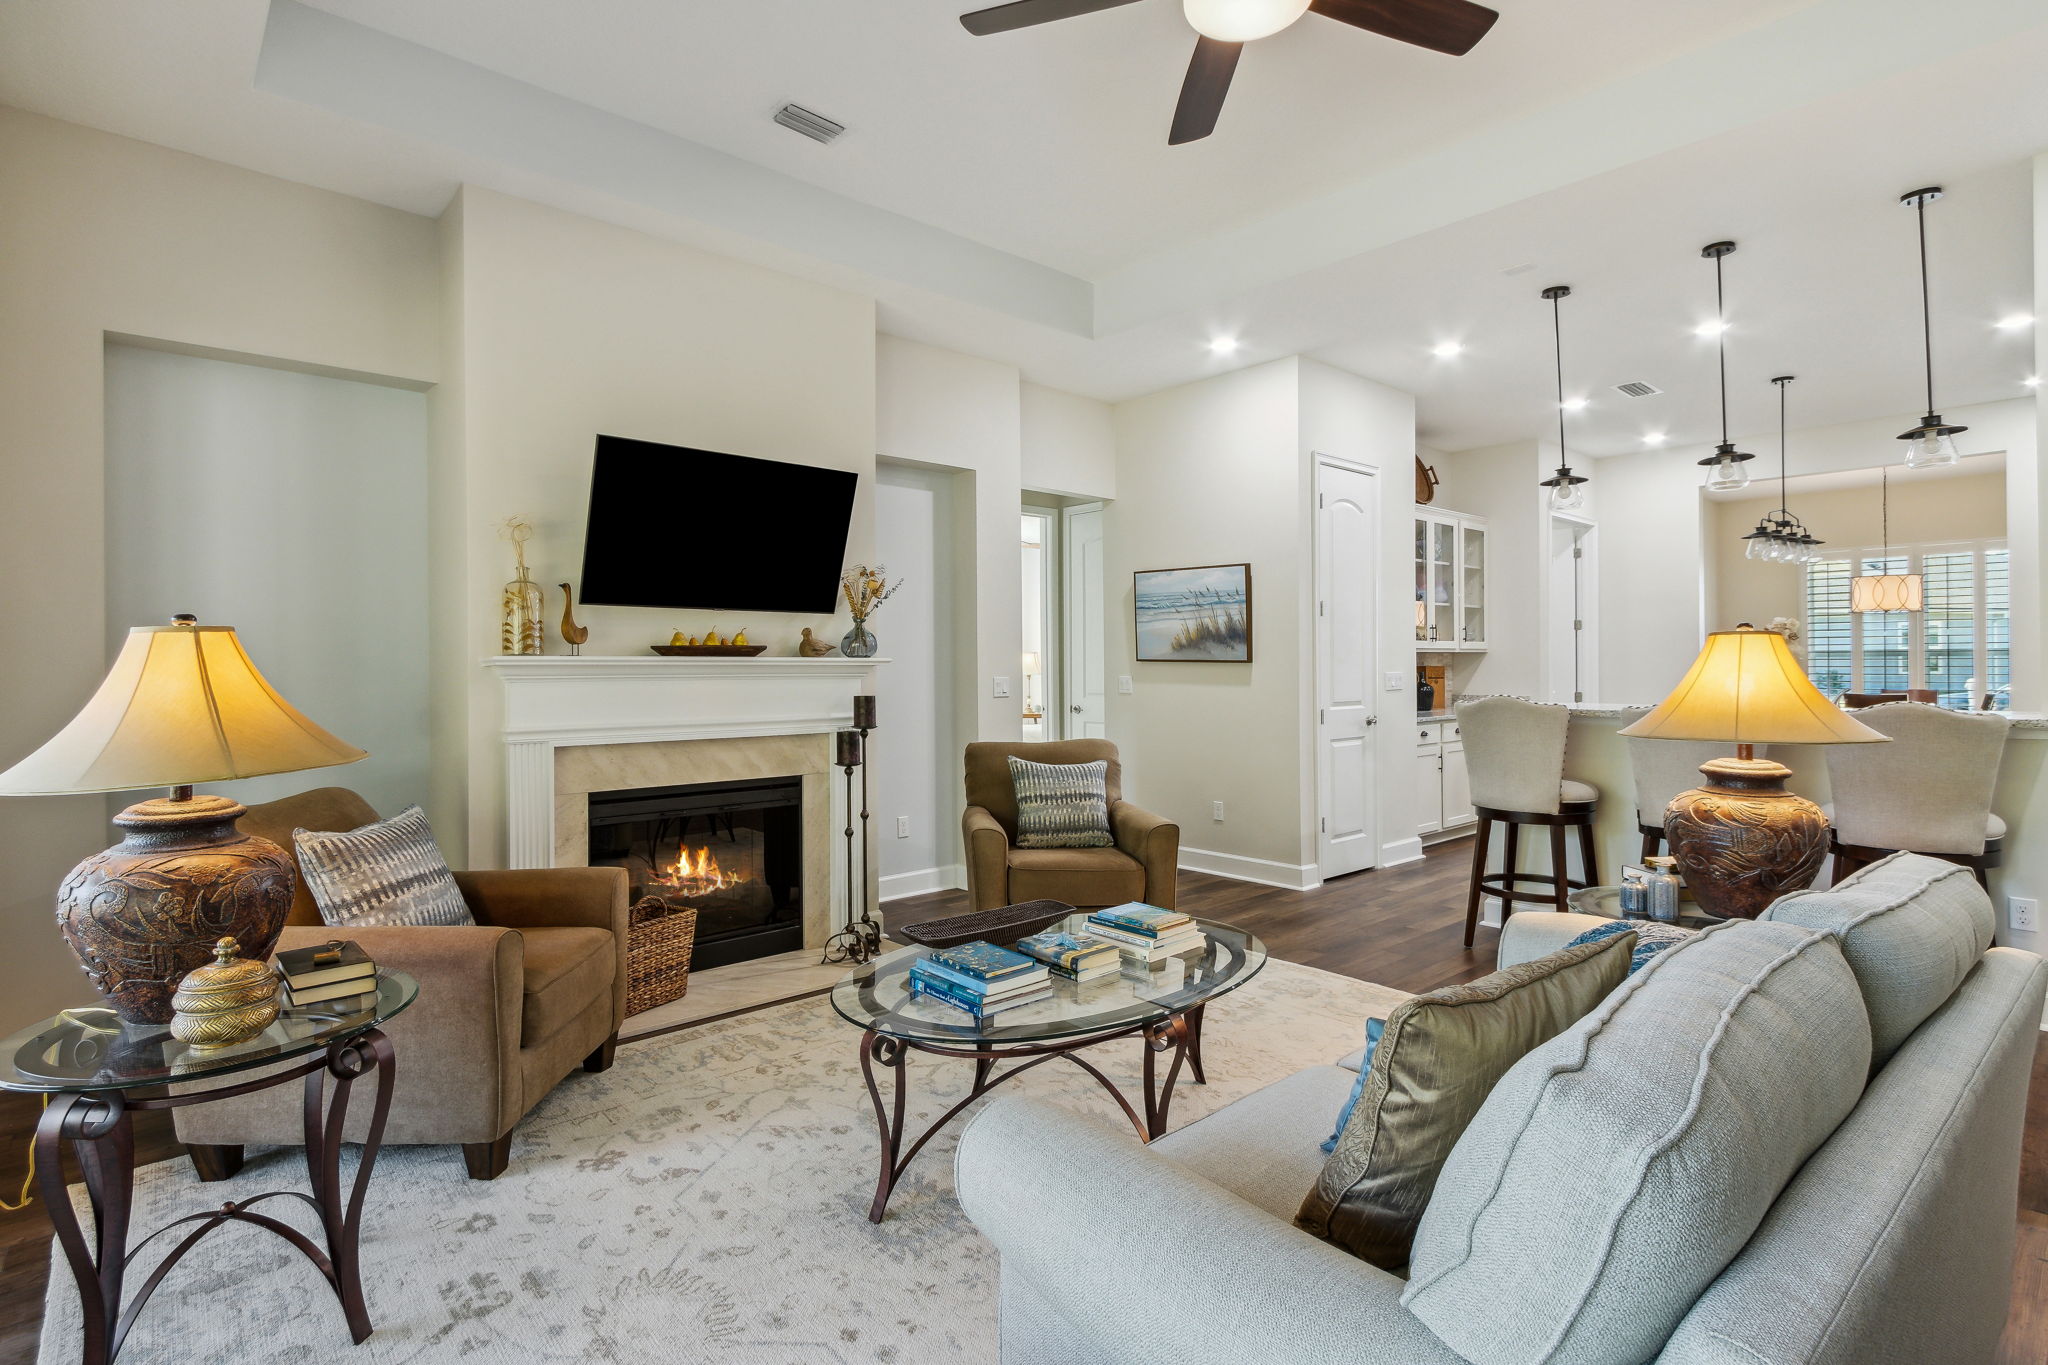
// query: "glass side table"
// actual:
[[1161, 1005], [1605, 902], [98, 1072]]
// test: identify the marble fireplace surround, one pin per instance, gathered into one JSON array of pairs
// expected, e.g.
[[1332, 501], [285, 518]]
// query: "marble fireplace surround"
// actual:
[[573, 726]]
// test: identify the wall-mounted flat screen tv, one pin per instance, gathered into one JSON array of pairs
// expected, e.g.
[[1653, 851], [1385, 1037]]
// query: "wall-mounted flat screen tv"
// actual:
[[671, 526]]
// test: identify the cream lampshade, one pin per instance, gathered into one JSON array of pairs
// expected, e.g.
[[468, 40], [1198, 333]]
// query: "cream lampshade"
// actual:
[[1887, 592], [1742, 840], [182, 704]]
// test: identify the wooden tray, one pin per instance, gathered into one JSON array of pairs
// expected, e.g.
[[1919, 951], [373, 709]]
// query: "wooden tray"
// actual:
[[709, 651]]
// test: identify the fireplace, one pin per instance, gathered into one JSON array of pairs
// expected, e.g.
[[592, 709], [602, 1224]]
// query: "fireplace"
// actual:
[[733, 851]]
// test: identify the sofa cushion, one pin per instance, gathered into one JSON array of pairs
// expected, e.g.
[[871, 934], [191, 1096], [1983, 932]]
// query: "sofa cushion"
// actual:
[[567, 969], [1615, 1170], [387, 872], [1078, 876], [1438, 1056], [1911, 927], [1062, 805], [1262, 1148]]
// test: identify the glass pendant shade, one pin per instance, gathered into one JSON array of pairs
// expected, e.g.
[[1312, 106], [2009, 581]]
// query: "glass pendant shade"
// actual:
[[1242, 21], [1727, 472], [1565, 497], [1930, 446], [1886, 592]]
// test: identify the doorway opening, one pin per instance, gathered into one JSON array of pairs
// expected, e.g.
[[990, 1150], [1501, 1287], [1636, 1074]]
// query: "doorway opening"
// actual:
[[1571, 646], [1040, 664]]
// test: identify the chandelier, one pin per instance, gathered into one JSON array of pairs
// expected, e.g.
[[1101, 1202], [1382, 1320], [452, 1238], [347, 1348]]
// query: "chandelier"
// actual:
[[1780, 537]]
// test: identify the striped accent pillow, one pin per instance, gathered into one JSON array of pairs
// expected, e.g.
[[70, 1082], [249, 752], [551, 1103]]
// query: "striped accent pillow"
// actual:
[[1062, 805], [390, 872]]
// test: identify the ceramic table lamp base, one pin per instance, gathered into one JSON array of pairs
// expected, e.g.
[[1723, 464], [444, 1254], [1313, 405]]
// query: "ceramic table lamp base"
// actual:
[[150, 909], [1742, 840]]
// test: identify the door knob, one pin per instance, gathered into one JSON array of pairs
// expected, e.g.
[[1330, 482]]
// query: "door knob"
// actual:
[[1075, 709]]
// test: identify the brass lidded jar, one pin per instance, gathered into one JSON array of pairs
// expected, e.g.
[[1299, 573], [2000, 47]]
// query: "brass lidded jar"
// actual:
[[226, 1002]]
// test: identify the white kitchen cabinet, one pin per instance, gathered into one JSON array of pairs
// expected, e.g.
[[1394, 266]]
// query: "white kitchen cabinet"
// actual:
[[1450, 581], [1443, 791]]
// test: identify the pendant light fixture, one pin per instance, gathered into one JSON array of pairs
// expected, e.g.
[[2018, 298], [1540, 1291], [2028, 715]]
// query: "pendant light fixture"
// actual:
[[1932, 443], [1567, 490], [1725, 472], [1886, 591], [1780, 537]]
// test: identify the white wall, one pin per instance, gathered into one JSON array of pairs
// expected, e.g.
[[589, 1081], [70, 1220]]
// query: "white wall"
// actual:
[[294, 508], [569, 328], [1068, 444], [103, 235], [1501, 483], [915, 750]]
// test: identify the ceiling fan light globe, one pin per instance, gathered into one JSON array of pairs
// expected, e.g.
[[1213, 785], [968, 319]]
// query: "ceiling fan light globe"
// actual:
[[1242, 21]]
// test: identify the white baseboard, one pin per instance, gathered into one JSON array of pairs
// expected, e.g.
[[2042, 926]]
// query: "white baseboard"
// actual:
[[1401, 851], [952, 877], [1237, 867]]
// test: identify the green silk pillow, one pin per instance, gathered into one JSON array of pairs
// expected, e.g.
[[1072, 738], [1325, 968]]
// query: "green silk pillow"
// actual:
[[1437, 1060]]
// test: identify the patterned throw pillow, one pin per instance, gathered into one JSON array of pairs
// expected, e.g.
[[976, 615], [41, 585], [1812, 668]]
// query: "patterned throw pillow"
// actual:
[[1062, 805], [1652, 938], [390, 872]]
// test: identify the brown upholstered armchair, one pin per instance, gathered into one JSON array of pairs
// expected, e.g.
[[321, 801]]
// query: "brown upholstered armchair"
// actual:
[[507, 1007], [1141, 867]]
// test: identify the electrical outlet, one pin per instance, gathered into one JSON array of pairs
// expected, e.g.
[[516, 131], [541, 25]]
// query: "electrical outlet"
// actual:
[[2022, 913], [1123, 683], [1002, 687], [1396, 680], [903, 827], [1216, 810]]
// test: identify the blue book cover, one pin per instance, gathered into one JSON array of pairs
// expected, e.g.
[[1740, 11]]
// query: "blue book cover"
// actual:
[[1061, 951], [982, 960], [1009, 985], [961, 1000], [1142, 919]]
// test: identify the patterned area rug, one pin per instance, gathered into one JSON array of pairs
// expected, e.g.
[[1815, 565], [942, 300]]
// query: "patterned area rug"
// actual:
[[704, 1200]]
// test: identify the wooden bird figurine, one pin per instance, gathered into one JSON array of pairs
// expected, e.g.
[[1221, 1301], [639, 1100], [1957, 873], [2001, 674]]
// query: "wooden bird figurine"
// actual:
[[571, 632], [811, 648]]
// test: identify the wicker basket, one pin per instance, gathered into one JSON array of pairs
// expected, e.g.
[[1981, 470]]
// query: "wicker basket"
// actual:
[[659, 937]]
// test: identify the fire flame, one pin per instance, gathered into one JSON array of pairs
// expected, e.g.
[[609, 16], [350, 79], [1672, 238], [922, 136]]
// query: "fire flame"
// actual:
[[698, 874]]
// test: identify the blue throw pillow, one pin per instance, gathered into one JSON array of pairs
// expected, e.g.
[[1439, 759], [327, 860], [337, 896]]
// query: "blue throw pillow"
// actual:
[[1373, 1029], [1652, 938]]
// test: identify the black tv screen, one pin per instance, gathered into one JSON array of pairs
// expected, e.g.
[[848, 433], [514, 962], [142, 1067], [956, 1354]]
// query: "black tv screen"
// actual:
[[675, 527]]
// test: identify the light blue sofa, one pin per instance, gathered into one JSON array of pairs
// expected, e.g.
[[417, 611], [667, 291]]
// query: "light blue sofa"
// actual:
[[1793, 1142]]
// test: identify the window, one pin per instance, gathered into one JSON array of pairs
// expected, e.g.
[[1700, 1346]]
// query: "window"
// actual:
[[1964, 632]]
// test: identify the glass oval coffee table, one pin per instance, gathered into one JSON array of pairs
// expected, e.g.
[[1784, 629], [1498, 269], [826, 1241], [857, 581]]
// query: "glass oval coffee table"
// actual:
[[96, 1072], [1162, 1005]]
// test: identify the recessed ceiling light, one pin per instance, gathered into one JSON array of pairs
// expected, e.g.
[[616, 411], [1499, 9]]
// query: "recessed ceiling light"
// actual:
[[1447, 350], [1654, 438], [2015, 322], [1222, 345], [1712, 327], [2032, 381], [1574, 404]]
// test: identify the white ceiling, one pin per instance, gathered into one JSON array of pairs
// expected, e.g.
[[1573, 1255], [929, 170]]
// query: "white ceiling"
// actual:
[[1013, 196]]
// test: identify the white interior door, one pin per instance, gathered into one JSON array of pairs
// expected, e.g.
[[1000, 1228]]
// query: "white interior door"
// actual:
[[1347, 581], [1085, 602], [1567, 648]]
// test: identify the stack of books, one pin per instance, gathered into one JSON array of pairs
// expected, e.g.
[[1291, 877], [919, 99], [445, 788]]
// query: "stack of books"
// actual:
[[980, 978], [332, 978], [1072, 957], [1145, 933]]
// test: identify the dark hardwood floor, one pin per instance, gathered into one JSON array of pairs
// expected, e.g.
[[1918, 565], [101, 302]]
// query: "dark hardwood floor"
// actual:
[[1402, 928]]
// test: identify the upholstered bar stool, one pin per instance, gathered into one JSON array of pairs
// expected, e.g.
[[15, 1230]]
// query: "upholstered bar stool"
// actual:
[[1928, 791], [1514, 754], [1663, 768]]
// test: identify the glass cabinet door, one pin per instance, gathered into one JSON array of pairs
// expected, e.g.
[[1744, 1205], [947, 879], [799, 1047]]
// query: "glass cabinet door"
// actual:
[[1472, 585], [1421, 579], [1443, 550]]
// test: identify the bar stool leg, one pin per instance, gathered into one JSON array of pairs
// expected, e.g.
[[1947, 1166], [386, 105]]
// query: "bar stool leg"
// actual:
[[1478, 871], [1557, 867], [1589, 857], [1511, 864]]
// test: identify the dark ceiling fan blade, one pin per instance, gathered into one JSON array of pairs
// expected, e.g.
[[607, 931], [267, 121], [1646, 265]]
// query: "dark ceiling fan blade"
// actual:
[[1451, 26], [1025, 13], [1201, 94]]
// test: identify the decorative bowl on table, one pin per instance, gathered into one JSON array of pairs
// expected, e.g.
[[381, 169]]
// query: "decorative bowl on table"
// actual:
[[1003, 925]]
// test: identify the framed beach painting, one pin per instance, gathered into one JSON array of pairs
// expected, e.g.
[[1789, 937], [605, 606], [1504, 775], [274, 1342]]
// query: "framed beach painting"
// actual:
[[1199, 615]]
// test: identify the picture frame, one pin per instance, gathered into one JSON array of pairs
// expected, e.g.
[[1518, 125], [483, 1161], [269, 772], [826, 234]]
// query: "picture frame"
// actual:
[[1200, 614]]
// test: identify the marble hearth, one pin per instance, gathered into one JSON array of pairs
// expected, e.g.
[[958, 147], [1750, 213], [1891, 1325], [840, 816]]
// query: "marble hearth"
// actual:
[[573, 726]]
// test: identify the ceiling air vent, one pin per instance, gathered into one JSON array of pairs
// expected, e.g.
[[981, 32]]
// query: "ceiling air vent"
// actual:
[[816, 127], [1636, 388]]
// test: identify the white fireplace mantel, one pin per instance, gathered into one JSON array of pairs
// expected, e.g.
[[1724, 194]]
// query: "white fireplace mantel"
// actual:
[[552, 701]]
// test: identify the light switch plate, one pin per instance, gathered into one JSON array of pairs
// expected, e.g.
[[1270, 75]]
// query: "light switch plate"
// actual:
[[903, 827], [1123, 683], [1216, 811], [1002, 687], [1396, 680]]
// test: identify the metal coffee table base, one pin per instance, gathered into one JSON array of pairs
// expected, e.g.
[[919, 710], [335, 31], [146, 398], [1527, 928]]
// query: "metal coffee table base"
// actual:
[[1178, 1034], [100, 1127]]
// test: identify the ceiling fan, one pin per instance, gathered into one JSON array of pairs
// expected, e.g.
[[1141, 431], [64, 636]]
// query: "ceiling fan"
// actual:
[[1225, 26]]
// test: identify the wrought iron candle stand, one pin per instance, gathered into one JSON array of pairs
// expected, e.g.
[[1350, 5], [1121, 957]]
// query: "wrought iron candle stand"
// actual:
[[870, 927], [852, 943]]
